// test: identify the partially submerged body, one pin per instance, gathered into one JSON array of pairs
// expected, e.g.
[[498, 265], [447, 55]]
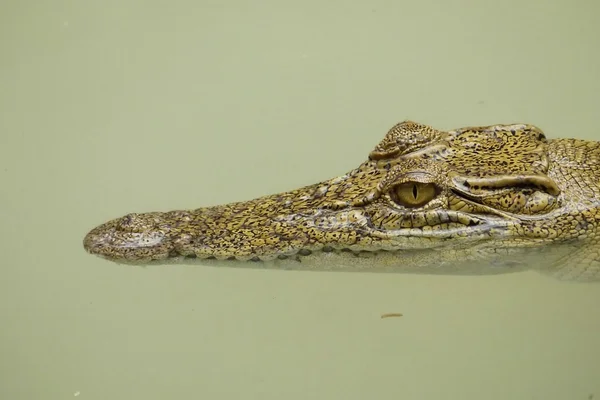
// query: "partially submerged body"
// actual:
[[475, 200]]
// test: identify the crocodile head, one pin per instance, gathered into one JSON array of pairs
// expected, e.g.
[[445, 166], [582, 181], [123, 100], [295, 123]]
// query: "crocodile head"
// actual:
[[472, 193]]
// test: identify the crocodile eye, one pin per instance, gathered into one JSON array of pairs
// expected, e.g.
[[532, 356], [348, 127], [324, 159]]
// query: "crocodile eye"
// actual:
[[413, 194]]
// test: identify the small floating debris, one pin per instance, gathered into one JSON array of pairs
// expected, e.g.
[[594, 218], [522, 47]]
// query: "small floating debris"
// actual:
[[391, 315]]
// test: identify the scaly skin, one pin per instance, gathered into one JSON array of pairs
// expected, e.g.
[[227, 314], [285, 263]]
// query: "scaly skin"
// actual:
[[474, 200]]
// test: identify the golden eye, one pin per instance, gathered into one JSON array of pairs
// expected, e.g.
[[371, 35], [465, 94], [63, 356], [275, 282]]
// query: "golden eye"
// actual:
[[413, 194]]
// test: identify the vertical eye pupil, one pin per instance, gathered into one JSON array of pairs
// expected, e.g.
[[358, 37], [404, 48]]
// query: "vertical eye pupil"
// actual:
[[414, 194]]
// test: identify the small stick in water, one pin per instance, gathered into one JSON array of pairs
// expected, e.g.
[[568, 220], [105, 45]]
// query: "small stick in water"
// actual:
[[390, 315]]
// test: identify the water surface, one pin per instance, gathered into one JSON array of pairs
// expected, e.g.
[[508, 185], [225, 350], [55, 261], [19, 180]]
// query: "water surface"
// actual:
[[116, 107]]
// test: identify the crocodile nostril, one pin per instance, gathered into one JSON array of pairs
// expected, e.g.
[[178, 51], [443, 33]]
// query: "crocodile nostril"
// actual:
[[128, 223], [137, 223]]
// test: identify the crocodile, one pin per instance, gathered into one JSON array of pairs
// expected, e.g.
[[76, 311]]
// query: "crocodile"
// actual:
[[475, 200]]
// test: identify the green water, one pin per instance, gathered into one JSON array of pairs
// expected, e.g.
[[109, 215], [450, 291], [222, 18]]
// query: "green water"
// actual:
[[111, 107]]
